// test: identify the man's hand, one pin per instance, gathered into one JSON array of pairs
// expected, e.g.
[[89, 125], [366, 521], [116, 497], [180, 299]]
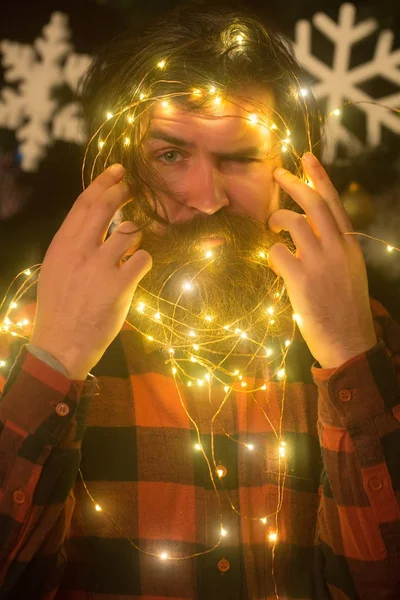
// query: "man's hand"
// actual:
[[326, 278], [85, 289]]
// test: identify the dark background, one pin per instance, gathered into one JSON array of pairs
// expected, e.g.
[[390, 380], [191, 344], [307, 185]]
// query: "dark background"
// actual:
[[49, 192]]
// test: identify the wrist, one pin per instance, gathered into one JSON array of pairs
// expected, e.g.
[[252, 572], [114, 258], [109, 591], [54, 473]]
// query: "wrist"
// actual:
[[71, 362]]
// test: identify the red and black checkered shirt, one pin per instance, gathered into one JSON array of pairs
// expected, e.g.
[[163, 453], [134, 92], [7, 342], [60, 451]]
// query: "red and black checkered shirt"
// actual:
[[338, 528]]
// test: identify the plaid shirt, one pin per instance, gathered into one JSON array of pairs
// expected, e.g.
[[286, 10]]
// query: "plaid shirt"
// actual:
[[339, 523]]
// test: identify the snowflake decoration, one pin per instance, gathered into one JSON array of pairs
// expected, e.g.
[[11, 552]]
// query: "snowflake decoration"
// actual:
[[339, 83], [28, 105]]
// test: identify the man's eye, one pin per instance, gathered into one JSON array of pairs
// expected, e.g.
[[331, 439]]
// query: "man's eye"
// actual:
[[171, 156]]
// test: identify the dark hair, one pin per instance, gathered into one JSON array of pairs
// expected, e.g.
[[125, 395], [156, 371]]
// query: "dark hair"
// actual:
[[201, 47]]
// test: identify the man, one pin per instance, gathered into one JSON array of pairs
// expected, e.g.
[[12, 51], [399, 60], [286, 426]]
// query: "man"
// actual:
[[224, 455]]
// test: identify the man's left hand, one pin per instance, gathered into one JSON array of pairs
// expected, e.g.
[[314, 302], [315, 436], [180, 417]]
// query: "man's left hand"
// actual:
[[326, 278]]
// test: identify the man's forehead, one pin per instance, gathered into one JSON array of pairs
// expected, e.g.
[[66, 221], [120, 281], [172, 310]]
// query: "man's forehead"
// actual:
[[229, 120]]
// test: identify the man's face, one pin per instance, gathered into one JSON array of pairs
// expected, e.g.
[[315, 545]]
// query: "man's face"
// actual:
[[218, 168], [215, 160]]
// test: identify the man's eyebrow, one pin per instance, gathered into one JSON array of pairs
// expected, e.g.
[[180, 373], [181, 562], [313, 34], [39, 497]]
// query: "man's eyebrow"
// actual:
[[249, 152], [158, 134]]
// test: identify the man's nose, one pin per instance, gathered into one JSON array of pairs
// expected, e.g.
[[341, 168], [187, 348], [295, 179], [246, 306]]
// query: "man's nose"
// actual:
[[207, 188]]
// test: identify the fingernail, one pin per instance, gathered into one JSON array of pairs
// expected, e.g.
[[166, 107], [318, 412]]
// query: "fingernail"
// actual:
[[117, 170], [280, 171], [309, 158]]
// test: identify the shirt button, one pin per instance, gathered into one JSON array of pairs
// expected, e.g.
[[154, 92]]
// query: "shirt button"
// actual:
[[221, 471], [224, 565], [345, 395], [375, 484], [18, 497], [62, 409]]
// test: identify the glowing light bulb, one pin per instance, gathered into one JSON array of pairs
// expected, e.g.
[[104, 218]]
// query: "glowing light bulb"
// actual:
[[217, 100], [196, 92], [101, 144], [250, 447], [240, 39], [2, 363], [27, 272], [281, 373], [25, 322], [209, 254], [193, 359], [273, 126], [209, 318], [161, 64], [150, 337], [297, 318], [263, 520], [268, 352], [270, 310], [127, 141], [287, 343], [197, 446], [131, 119], [171, 351], [236, 372], [272, 536], [192, 334], [253, 119], [224, 532], [164, 556], [282, 451], [190, 384], [226, 388], [243, 335], [336, 112], [288, 133], [243, 384], [109, 116], [264, 387], [261, 254], [195, 346], [237, 330], [164, 104], [13, 305], [157, 316], [187, 286], [174, 370], [390, 248], [208, 376], [98, 508], [213, 89], [284, 148], [142, 96], [200, 382], [226, 327], [303, 92], [220, 472], [13, 334], [272, 321]]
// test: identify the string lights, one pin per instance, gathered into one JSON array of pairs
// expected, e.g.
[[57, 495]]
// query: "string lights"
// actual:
[[194, 348]]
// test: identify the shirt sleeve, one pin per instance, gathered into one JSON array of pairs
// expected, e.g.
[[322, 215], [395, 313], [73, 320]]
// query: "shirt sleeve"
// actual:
[[42, 420], [359, 431]]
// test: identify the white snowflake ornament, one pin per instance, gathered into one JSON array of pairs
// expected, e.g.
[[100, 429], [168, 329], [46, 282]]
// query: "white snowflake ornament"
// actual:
[[338, 84], [28, 105]]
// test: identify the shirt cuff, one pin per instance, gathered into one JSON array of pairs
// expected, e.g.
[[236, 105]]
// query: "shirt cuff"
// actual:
[[364, 386]]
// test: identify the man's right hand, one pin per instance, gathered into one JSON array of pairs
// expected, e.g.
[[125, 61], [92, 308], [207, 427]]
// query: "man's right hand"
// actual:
[[84, 289]]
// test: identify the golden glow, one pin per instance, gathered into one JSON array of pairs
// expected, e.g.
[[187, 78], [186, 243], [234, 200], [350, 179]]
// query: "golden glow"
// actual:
[[161, 64], [98, 508]]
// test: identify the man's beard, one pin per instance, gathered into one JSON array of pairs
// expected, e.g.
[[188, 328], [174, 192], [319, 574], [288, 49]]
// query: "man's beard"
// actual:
[[235, 287]]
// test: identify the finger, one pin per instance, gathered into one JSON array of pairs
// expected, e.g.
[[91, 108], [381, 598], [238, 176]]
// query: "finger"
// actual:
[[136, 267], [317, 210], [305, 239], [99, 218], [73, 222], [284, 263], [101, 184], [124, 239], [316, 173]]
